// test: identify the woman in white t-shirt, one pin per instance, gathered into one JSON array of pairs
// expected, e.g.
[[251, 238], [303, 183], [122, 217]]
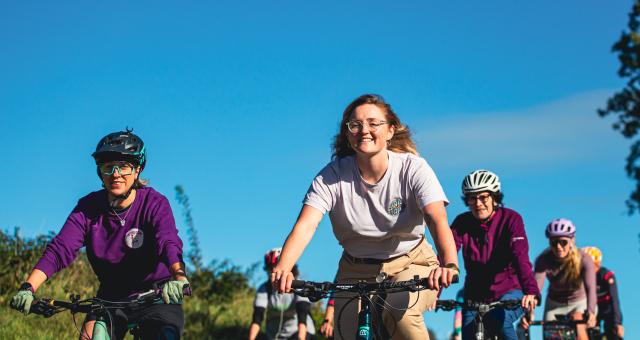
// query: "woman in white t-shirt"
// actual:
[[378, 193]]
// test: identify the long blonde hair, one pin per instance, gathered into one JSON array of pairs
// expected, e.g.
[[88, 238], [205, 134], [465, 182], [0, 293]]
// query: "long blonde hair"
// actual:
[[569, 274], [400, 142]]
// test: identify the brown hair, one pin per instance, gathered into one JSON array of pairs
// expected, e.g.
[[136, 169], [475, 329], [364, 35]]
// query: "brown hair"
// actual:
[[400, 142]]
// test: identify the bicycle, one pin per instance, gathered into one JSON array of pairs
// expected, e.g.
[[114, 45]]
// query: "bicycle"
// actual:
[[103, 327], [316, 291], [482, 308], [562, 328]]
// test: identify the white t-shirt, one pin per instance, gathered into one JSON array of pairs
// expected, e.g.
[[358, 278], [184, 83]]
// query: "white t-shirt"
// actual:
[[379, 220]]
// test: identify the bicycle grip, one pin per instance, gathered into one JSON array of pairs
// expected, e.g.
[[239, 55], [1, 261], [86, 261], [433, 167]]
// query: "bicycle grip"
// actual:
[[298, 284]]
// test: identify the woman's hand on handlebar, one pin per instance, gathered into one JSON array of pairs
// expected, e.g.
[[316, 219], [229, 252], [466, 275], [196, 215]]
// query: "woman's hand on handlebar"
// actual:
[[281, 279], [441, 277], [529, 302], [591, 320]]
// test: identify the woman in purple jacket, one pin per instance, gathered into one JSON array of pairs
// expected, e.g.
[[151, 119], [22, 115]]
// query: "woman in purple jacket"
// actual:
[[131, 242], [496, 255]]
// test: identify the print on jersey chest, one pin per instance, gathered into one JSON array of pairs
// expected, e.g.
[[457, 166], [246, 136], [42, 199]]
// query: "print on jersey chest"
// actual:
[[134, 238], [395, 207]]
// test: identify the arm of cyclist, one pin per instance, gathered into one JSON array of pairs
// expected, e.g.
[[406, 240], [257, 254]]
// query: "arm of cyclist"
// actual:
[[173, 291], [615, 305], [327, 325], [23, 299], [436, 217], [295, 244], [60, 252], [258, 315], [519, 247], [589, 279], [302, 311]]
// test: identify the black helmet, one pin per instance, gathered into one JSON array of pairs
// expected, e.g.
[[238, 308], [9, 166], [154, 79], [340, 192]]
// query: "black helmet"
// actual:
[[122, 145]]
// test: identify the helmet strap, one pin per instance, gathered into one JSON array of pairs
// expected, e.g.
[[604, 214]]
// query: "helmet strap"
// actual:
[[113, 203]]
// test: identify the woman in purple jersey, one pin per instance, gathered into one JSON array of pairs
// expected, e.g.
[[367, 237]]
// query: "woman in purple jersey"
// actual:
[[496, 255], [131, 242]]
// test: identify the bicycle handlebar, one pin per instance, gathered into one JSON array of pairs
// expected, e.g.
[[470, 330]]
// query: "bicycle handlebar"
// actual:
[[49, 307], [448, 305], [319, 290]]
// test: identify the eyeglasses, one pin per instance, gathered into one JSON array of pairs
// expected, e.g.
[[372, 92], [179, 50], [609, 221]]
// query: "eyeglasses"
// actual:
[[123, 168], [356, 126], [554, 242], [484, 198]]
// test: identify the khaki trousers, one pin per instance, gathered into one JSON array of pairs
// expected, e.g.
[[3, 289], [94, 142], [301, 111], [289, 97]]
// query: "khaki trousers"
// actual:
[[402, 316]]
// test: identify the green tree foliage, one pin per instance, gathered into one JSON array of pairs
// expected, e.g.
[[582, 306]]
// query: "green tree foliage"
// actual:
[[194, 255], [626, 103]]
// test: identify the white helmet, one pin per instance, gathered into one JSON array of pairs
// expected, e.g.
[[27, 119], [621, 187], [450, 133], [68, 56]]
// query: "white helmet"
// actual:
[[560, 227], [480, 180]]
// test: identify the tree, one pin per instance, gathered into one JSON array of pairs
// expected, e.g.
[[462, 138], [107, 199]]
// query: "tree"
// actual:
[[626, 103], [194, 255]]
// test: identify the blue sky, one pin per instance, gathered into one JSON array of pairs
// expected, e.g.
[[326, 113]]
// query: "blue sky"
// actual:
[[238, 103]]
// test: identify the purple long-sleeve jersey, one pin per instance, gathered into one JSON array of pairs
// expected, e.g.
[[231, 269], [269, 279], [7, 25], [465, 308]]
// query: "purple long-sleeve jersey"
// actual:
[[126, 258], [496, 255]]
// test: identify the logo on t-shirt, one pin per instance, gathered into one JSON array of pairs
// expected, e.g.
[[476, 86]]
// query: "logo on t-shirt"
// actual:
[[134, 238], [395, 207]]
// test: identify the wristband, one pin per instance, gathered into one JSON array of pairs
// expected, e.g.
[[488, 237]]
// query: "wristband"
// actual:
[[452, 266], [26, 286]]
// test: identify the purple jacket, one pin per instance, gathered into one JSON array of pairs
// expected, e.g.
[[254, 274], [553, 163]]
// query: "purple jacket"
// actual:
[[496, 255], [123, 266]]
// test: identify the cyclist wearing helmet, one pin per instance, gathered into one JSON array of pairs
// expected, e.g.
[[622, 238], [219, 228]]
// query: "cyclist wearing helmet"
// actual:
[[378, 194], [608, 302], [131, 242], [287, 314], [496, 255], [571, 274]]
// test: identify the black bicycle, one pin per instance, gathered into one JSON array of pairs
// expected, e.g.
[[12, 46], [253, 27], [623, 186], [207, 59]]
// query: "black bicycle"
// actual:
[[562, 328], [372, 294], [104, 309], [481, 331]]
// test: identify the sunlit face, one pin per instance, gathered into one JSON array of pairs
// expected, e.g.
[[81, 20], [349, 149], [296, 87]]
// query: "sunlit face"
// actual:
[[367, 141], [481, 204], [120, 179], [561, 246]]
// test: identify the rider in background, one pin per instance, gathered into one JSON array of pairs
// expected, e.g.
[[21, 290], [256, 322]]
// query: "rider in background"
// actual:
[[496, 255], [609, 310], [378, 193], [572, 277], [131, 242], [287, 314]]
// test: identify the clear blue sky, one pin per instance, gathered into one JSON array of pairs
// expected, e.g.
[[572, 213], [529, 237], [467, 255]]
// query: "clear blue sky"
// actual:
[[238, 102]]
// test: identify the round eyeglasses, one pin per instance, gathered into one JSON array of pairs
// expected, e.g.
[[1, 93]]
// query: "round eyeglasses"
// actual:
[[356, 126]]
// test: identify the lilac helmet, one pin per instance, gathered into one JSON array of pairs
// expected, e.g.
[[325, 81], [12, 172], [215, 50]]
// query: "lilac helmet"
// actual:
[[560, 227]]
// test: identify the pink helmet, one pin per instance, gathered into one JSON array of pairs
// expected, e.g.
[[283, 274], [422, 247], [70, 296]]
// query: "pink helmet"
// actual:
[[560, 227]]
